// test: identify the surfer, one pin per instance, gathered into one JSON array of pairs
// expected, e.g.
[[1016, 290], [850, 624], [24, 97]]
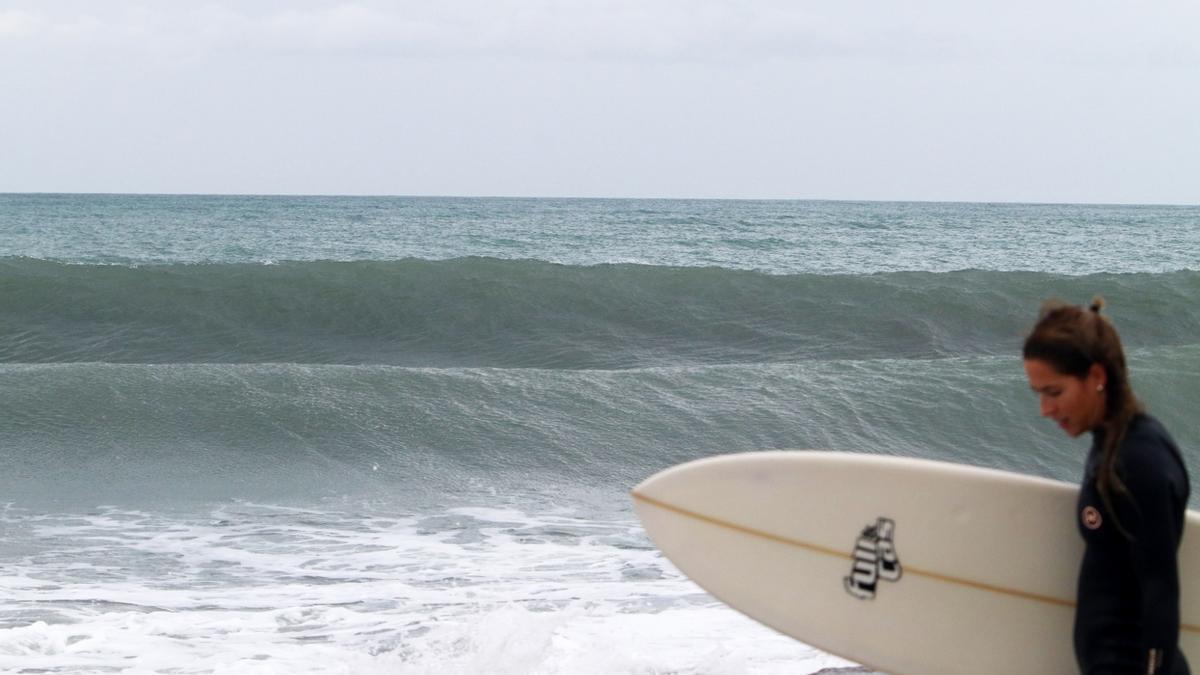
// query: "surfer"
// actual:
[[1133, 497]]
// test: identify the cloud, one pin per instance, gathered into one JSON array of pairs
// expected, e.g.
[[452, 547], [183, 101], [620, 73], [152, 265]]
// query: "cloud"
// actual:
[[1074, 32], [15, 23], [572, 29]]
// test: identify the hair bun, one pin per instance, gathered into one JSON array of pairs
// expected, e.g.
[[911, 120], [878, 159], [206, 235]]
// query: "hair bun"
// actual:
[[1097, 304]]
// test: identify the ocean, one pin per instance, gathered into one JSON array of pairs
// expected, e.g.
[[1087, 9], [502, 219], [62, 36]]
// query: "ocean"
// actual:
[[396, 435]]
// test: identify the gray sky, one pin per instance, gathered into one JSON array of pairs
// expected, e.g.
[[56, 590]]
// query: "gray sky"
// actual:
[[1075, 101]]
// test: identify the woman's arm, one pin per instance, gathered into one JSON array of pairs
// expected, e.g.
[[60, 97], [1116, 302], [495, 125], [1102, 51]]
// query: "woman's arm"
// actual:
[[1153, 477]]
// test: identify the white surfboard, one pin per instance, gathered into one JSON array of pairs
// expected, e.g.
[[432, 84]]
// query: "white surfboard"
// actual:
[[909, 566]]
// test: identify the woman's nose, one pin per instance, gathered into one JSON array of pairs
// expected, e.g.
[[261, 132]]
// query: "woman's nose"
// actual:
[[1047, 406]]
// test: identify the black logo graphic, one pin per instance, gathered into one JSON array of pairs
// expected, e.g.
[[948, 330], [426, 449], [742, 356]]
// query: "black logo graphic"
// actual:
[[874, 559]]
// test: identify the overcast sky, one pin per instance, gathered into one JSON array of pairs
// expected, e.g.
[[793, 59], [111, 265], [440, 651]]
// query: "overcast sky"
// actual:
[[1065, 101]]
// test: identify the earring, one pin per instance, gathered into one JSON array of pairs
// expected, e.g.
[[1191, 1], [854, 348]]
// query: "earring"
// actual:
[[1099, 387]]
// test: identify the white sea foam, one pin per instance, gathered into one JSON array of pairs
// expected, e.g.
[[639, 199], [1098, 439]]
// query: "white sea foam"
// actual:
[[259, 589]]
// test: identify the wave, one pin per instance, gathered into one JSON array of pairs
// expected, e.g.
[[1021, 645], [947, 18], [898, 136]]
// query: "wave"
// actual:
[[243, 430], [486, 312]]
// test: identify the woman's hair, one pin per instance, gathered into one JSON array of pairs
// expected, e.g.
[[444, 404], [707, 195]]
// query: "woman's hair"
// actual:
[[1071, 339]]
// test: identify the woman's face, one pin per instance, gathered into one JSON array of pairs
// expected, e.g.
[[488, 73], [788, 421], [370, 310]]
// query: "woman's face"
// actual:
[[1075, 403]]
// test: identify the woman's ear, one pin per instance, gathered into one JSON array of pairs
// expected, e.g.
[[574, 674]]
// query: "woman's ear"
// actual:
[[1097, 377]]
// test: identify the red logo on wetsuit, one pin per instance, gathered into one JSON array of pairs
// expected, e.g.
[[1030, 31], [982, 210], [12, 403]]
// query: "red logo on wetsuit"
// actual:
[[1091, 518]]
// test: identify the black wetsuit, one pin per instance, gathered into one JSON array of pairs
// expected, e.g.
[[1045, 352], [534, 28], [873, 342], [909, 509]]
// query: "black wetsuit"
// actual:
[[1128, 613]]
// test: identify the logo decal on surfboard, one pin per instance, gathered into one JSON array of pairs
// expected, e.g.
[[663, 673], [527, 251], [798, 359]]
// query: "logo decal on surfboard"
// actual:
[[875, 558]]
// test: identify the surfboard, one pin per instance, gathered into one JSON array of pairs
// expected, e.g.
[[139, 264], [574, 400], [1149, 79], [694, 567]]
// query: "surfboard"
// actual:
[[908, 566]]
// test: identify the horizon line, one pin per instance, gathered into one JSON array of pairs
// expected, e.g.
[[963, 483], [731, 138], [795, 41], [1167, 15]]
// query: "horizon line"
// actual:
[[595, 198]]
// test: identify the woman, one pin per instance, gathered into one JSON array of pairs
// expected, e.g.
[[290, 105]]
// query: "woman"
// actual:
[[1133, 497]]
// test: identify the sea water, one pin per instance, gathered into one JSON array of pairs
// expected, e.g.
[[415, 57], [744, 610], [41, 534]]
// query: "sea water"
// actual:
[[396, 435]]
